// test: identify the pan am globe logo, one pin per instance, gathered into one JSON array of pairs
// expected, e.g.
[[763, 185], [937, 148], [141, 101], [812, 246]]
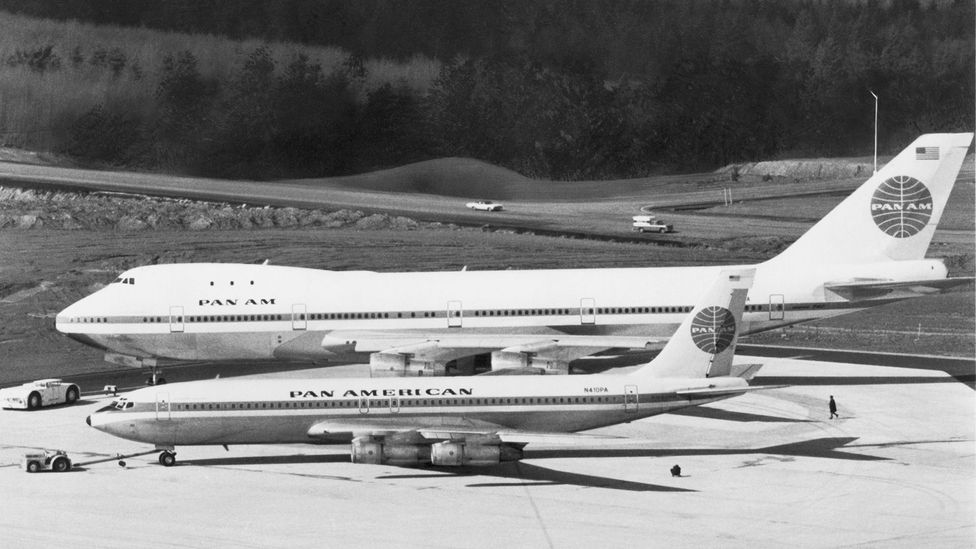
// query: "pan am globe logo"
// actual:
[[713, 329], [901, 206]]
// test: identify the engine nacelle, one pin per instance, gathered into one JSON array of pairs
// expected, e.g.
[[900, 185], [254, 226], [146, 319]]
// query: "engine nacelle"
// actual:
[[456, 454], [501, 360], [367, 451], [372, 452], [402, 365]]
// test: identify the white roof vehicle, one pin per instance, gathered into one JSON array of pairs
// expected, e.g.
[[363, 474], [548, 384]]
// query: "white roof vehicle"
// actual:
[[485, 205], [43, 392], [648, 223]]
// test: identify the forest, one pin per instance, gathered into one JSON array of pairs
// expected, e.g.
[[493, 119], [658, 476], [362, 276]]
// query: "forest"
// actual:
[[554, 89]]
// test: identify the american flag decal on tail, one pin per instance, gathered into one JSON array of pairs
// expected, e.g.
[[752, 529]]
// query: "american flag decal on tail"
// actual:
[[926, 153]]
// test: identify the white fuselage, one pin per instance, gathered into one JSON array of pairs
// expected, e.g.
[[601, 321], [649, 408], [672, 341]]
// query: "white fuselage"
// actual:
[[232, 311], [334, 410]]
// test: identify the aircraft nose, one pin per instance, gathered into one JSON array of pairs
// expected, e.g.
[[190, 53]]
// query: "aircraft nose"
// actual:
[[88, 420]]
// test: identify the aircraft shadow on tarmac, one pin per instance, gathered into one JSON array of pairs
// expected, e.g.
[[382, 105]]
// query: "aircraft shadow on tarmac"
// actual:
[[715, 413], [267, 460], [522, 474], [528, 474], [828, 447]]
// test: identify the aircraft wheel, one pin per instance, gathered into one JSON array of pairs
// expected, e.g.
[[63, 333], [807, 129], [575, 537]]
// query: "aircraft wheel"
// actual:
[[33, 467], [662, 230], [167, 459], [34, 401], [71, 396]]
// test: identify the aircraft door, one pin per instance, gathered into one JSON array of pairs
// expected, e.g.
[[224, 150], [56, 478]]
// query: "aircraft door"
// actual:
[[454, 314], [777, 308], [587, 310], [162, 407], [298, 317], [176, 319], [395, 405], [630, 399], [363, 405]]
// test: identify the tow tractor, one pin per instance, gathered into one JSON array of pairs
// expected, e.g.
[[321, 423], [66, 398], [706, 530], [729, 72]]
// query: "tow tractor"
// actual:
[[44, 460]]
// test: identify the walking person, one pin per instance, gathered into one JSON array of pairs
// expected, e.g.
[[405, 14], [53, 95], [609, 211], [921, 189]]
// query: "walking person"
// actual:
[[833, 407]]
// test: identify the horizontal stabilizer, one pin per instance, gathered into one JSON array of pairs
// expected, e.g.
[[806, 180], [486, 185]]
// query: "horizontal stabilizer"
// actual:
[[745, 371], [726, 391], [866, 288]]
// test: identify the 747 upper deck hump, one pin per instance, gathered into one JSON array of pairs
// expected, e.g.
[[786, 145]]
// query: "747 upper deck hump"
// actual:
[[868, 251]]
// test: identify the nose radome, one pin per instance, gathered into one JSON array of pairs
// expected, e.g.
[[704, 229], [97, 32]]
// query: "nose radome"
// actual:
[[88, 420]]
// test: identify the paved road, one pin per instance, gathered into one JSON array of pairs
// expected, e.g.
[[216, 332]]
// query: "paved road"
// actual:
[[606, 218]]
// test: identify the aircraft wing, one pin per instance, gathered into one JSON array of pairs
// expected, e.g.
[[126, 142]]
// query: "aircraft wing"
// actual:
[[867, 288], [379, 341], [426, 429]]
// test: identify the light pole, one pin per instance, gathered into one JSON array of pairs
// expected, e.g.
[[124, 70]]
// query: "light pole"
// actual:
[[875, 130]]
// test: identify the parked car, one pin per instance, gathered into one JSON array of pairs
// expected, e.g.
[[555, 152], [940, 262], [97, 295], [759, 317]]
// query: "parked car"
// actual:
[[43, 460], [485, 205], [43, 392]]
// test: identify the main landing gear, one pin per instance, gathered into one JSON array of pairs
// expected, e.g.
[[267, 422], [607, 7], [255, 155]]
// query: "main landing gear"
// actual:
[[156, 376], [167, 458]]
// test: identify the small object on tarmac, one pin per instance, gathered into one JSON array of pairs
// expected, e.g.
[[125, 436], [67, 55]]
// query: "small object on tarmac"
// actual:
[[676, 471], [47, 460], [114, 389]]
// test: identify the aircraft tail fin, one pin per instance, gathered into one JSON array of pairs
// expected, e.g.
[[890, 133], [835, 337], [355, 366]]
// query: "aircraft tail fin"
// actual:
[[894, 214], [704, 344]]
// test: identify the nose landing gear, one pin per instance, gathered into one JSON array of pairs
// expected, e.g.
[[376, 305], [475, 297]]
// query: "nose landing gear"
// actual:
[[167, 458]]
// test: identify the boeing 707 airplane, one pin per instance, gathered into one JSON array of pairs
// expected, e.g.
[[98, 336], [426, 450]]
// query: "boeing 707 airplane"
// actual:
[[457, 421], [868, 251]]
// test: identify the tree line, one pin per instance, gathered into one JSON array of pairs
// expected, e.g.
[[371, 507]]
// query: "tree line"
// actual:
[[558, 89]]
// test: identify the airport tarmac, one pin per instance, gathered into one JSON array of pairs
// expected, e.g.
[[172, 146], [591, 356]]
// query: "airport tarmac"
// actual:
[[766, 469]]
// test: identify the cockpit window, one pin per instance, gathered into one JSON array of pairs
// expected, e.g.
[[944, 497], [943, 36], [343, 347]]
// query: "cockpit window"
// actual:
[[122, 404], [127, 280]]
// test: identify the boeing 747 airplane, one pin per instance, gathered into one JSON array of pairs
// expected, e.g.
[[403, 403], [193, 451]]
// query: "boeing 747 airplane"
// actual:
[[477, 420], [868, 251]]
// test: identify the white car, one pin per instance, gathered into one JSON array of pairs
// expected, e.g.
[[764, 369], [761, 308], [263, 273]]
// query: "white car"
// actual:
[[485, 205], [43, 392], [652, 226]]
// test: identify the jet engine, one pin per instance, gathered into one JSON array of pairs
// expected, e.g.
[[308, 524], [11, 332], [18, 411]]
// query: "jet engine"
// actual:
[[447, 454], [402, 365], [456, 454], [373, 452]]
